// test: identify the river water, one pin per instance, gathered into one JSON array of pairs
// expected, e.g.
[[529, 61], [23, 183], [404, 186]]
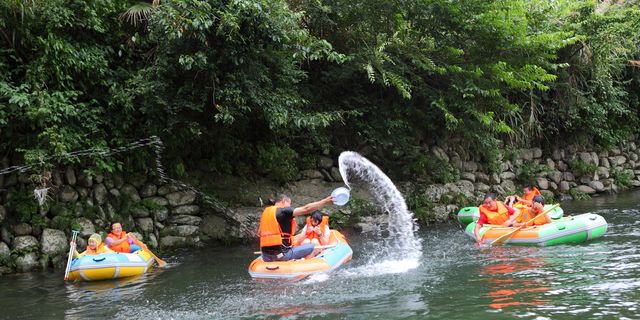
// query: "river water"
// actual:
[[453, 279]]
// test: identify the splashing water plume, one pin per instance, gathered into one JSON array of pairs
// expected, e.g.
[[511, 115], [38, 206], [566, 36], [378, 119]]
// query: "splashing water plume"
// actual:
[[400, 246]]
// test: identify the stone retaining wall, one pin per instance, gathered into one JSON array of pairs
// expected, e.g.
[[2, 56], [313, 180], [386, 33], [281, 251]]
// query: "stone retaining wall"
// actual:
[[33, 237]]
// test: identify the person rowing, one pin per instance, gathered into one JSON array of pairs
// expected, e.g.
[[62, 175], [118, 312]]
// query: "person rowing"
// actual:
[[494, 212]]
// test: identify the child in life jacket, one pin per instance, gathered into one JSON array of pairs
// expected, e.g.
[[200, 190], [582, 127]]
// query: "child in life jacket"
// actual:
[[316, 231], [94, 246]]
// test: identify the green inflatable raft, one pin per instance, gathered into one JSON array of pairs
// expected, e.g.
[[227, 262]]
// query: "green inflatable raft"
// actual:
[[576, 229], [467, 215]]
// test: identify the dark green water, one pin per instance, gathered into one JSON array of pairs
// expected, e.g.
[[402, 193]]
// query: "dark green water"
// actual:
[[454, 279]]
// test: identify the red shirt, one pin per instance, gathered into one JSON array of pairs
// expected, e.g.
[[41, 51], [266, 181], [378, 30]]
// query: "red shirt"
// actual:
[[483, 217]]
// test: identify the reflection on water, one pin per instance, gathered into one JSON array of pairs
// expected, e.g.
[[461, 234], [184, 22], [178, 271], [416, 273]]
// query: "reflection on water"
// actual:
[[453, 280], [514, 282]]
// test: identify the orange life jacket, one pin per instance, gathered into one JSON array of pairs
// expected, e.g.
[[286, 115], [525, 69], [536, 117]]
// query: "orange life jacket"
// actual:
[[122, 246], [101, 248], [270, 232], [496, 217], [323, 224], [530, 213], [529, 196]]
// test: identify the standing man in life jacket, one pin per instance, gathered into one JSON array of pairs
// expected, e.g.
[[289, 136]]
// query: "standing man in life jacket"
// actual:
[[120, 241], [494, 212], [278, 226]]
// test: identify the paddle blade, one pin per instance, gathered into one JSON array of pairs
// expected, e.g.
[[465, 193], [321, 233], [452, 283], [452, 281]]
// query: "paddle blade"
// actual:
[[161, 263], [504, 237]]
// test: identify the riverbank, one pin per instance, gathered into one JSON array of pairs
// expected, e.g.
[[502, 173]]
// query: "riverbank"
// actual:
[[167, 215]]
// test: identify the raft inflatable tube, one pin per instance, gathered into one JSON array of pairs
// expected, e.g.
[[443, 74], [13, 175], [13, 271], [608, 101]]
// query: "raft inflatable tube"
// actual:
[[467, 215], [110, 266], [576, 229], [326, 261]]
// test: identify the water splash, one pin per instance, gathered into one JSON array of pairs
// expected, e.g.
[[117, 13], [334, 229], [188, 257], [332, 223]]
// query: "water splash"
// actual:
[[400, 245]]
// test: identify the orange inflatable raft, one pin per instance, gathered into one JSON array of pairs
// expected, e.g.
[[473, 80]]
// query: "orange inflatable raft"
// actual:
[[327, 260]]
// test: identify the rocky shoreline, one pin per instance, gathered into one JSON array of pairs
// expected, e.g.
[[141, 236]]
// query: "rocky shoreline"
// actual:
[[166, 215]]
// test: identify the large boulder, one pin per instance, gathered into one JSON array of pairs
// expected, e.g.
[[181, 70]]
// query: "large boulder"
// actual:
[[161, 214], [22, 229], [145, 224], [181, 198], [148, 190], [70, 176], [434, 192], [5, 253], [214, 227], [54, 242], [161, 201], [188, 209], [131, 192], [185, 219], [100, 193], [542, 183], [24, 243], [26, 262], [139, 212], [86, 227], [68, 194], [585, 189], [182, 231], [597, 185], [172, 241]]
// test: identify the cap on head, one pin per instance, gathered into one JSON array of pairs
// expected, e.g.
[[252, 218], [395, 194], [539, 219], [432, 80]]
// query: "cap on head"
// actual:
[[538, 198], [96, 237]]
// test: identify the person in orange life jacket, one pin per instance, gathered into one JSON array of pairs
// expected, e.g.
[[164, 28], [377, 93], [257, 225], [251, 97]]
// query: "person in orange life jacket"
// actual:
[[528, 192], [316, 231], [94, 246], [494, 212], [537, 207], [277, 229], [120, 241]]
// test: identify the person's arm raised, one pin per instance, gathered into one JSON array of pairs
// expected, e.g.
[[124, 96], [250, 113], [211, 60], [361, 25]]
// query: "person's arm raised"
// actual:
[[311, 207]]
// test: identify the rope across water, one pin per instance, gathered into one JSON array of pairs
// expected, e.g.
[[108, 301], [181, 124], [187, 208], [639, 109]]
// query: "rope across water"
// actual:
[[156, 143]]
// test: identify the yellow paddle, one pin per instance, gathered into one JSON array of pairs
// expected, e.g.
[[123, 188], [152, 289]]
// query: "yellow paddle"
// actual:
[[161, 263], [316, 247], [506, 236]]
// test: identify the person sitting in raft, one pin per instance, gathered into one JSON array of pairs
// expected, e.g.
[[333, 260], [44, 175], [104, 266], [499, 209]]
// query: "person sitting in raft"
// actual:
[[528, 191], [537, 207], [316, 231], [494, 212], [94, 246], [120, 241], [278, 226]]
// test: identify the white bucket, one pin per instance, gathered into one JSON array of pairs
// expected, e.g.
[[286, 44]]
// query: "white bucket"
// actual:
[[340, 196]]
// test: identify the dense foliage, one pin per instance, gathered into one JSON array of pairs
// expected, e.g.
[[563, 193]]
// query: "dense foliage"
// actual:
[[261, 87]]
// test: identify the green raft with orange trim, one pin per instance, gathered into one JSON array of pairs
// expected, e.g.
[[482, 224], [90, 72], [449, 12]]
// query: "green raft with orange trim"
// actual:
[[576, 229], [467, 215]]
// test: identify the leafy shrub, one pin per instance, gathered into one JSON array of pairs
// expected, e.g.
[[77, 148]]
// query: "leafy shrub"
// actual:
[[434, 169], [278, 163], [528, 171], [582, 168], [621, 177], [579, 195]]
